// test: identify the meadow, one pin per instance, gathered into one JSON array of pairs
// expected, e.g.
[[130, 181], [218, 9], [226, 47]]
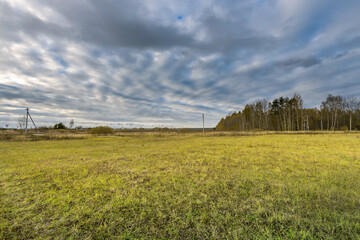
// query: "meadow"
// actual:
[[182, 186]]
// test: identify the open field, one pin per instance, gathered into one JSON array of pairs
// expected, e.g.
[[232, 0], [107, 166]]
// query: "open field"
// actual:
[[182, 186]]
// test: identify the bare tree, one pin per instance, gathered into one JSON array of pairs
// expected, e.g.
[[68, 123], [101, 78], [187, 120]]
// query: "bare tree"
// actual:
[[21, 122], [298, 105], [288, 114], [71, 123], [351, 105], [333, 104]]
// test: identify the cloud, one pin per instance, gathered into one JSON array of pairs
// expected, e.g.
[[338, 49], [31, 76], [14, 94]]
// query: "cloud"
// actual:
[[136, 63]]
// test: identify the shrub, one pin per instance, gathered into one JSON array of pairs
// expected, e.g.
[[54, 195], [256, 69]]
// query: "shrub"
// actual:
[[344, 128], [102, 130], [6, 136], [59, 126]]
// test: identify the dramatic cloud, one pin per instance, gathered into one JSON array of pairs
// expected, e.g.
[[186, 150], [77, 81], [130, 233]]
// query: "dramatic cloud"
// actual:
[[164, 63]]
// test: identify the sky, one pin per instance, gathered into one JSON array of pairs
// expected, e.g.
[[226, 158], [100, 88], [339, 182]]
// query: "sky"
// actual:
[[162, 63]]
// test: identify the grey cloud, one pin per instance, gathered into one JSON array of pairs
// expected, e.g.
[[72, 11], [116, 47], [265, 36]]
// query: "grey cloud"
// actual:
[[116, 24], [120, 24], [14, 22], [298, 62], [12, 92]]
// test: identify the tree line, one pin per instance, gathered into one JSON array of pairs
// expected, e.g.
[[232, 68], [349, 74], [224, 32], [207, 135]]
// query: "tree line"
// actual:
[[288, 114]]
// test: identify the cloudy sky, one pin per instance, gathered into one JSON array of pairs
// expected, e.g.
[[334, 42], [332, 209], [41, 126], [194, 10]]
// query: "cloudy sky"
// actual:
[[164, 63]]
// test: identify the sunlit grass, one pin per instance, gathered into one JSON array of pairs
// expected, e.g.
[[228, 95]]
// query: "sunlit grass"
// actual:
[[182, 186]]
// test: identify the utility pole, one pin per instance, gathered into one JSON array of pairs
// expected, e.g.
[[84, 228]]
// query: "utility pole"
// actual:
[[27, 119], [203, 118]]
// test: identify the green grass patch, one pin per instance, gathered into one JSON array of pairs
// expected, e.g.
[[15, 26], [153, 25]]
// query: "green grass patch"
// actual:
[[182, 187]]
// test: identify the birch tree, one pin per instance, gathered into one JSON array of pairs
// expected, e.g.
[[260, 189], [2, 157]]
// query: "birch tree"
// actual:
[[351, 105]]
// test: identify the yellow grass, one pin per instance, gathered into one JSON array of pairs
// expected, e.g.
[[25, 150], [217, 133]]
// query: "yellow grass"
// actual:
[[182, 186]]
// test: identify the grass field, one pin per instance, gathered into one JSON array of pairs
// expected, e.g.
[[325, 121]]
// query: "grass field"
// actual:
[[182, 186]]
